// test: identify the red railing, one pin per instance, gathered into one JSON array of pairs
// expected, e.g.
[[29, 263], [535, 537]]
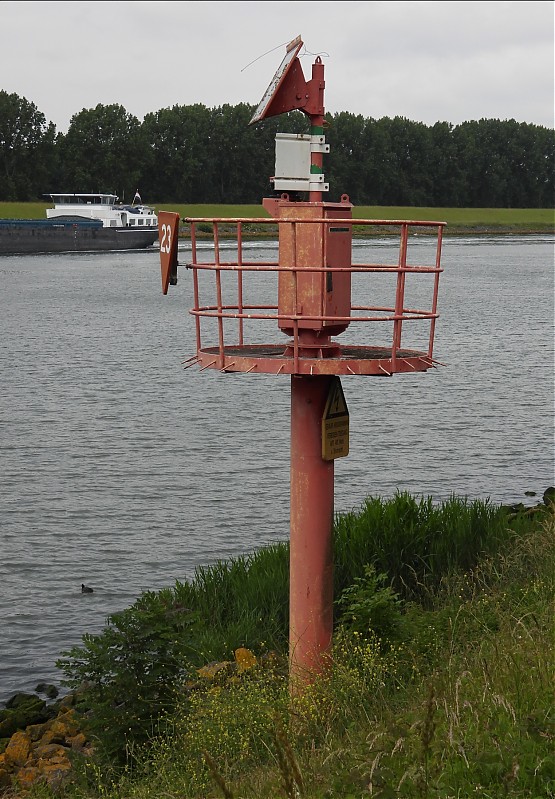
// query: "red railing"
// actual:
[[208, 255]]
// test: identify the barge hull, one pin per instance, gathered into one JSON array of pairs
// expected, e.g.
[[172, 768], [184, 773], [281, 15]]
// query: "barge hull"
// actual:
[[19, 237]]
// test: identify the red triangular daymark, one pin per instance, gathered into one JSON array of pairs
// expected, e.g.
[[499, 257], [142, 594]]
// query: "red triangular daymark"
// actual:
[[168, 234]]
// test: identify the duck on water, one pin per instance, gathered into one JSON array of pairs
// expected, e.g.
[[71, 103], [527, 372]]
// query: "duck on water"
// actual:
[[82, 222]]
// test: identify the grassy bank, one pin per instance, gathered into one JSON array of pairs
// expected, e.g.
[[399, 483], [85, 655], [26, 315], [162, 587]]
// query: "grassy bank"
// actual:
[[459, 220], [439, 682], [507, 219]]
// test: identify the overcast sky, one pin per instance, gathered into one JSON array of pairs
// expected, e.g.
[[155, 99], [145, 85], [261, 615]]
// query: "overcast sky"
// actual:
[[427, 61]]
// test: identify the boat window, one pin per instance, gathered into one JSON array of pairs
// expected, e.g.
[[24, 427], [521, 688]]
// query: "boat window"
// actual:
[[131, 221], [141, 221]]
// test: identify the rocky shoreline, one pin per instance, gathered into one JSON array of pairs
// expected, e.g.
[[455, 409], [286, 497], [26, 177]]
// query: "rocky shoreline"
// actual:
[[38, 737], [39, 741]]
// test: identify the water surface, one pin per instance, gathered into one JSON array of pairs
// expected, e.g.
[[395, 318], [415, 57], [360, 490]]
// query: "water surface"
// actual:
[[120, 470]]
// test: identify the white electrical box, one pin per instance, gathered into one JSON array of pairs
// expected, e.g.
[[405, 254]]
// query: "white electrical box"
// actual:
[[293, 160], [292, 156]]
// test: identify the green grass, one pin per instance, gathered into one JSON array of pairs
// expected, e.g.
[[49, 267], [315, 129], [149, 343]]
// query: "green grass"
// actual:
[[458, 219], [459, 703], [23, 210], [224, 211], [462, 217], [517, 219], [426, 595], [417, 542]]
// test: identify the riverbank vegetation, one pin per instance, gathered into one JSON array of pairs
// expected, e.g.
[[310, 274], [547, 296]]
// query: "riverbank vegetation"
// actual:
[[460, 221], [194, 154], [440, 679]]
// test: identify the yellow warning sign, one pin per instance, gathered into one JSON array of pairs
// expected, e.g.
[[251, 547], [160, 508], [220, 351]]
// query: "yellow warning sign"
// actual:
[[335, 424]]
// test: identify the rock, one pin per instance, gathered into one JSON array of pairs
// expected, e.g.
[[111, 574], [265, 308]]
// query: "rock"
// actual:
[[21, 711], [245, 659], [8, 725], [54, 773], [40, 753], [65, 724], [27, 776], [36, 731], [21, 699], [48, 689], [17, 751], [66, 702], [56, 735], [549, 496], [49, 751]]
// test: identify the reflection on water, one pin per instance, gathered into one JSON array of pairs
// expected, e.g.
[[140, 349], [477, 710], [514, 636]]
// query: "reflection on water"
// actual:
[[122, 471]]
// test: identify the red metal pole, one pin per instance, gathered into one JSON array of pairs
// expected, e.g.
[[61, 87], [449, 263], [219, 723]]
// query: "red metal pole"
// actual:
[[311, 558]]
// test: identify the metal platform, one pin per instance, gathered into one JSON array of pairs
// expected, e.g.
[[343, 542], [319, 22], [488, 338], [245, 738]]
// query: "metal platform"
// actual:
[[305, 351], [346, 360]]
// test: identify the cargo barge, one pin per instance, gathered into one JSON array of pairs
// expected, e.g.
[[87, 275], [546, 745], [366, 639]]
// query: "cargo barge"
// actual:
[[81, 223]]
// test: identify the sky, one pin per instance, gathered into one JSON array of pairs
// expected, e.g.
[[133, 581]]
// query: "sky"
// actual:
[[426, 61]]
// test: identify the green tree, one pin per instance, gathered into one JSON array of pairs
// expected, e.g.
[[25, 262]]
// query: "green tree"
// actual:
[[409, 161], [447, 177], [193, 154], [104, 150], [530, 153], [242, 154], [27, 149], [180, 169], [348, 152], [497, 159]]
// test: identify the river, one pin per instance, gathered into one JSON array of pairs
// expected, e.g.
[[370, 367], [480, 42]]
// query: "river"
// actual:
[[120, 470]]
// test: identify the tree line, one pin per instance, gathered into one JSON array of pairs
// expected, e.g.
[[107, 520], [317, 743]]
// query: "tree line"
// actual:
[[194, 154]]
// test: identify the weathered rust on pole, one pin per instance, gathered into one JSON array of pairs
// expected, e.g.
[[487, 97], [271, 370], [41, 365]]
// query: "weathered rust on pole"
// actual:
[[311, 551]]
